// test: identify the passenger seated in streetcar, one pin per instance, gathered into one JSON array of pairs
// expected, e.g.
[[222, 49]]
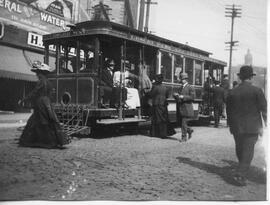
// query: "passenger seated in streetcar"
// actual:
[[125, 75], [115, 100], [133, 99]]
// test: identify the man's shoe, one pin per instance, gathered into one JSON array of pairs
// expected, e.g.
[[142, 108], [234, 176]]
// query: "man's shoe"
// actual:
[[239, 180], [190, 133], [184, 139]]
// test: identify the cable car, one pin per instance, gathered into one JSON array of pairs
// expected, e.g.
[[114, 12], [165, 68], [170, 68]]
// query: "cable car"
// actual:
[[81, 54]]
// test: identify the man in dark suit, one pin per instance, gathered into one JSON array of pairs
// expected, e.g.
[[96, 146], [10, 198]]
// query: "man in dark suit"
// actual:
[[226, 85], [246, 107], [218, 100], [184, 99], [159, 95], [106, 83]]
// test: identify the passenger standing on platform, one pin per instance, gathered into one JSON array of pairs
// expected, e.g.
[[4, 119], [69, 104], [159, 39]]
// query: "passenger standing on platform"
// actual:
[[159, 121], [42, 128], [106, 83], [184, 98], [235, 84], [218, 101], [246, 108]]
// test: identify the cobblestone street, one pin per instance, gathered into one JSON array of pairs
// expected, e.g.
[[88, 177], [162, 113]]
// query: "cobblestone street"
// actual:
[[129, 167]]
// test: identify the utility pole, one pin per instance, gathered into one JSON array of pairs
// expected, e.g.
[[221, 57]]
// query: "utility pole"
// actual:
[[232, 11], [148, 3], [141, 16]]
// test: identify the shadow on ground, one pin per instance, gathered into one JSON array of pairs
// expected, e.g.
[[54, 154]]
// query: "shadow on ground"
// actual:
[[255, 174]]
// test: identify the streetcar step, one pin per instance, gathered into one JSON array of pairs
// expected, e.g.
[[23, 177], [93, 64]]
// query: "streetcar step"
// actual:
[[119, 121]]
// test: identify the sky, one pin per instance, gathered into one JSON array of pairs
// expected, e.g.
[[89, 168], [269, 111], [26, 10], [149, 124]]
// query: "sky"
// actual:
[[202, 24]]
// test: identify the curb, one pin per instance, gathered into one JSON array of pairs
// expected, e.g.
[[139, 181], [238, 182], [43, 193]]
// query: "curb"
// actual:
[[9, 125]]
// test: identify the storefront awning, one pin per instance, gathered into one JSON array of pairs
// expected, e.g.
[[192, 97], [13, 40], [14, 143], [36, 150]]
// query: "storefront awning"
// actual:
[[16, 63]]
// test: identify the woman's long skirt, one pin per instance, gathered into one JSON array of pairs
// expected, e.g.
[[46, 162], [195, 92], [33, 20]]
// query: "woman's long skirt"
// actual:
[[42, 128]]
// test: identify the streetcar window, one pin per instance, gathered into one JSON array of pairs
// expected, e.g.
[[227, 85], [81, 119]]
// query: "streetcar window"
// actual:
[[52, 62], [166, 66], [214, 74], [178, 68], [50, 57], [86, 64], [198, 72], [67, 62], [189, 69]]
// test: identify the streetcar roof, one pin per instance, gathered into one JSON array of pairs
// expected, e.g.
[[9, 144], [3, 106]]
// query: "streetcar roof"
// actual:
[[120, 31]]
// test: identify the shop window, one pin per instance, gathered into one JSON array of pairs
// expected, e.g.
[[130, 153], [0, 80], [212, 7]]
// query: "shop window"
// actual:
[[1, 30], [166, 66]]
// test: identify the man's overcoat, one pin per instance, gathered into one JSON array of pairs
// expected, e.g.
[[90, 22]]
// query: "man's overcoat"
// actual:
[[185, 104], [246, 105]]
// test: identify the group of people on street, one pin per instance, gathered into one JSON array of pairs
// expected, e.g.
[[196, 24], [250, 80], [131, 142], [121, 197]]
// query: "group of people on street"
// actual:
[[246, 109], [184, 98]]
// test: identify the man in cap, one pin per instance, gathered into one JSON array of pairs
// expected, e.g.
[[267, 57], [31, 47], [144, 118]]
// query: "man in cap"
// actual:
[[184, 98], [246, 108], [218, 100]]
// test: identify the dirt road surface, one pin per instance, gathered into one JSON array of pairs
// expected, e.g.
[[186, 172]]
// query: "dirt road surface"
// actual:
[[128, 167]]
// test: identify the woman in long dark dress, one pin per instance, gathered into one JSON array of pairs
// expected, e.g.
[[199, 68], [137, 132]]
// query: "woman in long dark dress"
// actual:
[[159, 122], [42, 128]]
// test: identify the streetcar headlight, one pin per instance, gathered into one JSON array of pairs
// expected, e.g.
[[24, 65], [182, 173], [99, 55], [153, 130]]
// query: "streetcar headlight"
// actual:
[[66, 98]]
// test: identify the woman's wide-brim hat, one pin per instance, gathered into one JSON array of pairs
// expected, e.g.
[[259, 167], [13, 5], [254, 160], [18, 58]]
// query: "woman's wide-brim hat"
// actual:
[[184, 76], [246, 72], [37, 66]]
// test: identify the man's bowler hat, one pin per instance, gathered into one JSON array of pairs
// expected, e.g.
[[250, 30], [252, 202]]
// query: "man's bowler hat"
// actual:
[[159, 78], [246, 72]]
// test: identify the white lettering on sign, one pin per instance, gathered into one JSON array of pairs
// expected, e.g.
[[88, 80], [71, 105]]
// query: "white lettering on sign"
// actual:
[[35, 40], [10, 6], [52, 20]]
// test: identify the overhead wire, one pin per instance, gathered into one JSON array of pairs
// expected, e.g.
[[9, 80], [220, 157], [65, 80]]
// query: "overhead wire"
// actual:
[[243, 43]]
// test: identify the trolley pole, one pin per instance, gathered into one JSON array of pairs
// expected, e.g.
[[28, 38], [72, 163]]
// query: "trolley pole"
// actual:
[[232, 12], [148, 3]]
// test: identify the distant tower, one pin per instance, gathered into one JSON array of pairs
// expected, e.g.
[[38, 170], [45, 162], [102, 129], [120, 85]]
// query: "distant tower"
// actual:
[[248, 58]]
